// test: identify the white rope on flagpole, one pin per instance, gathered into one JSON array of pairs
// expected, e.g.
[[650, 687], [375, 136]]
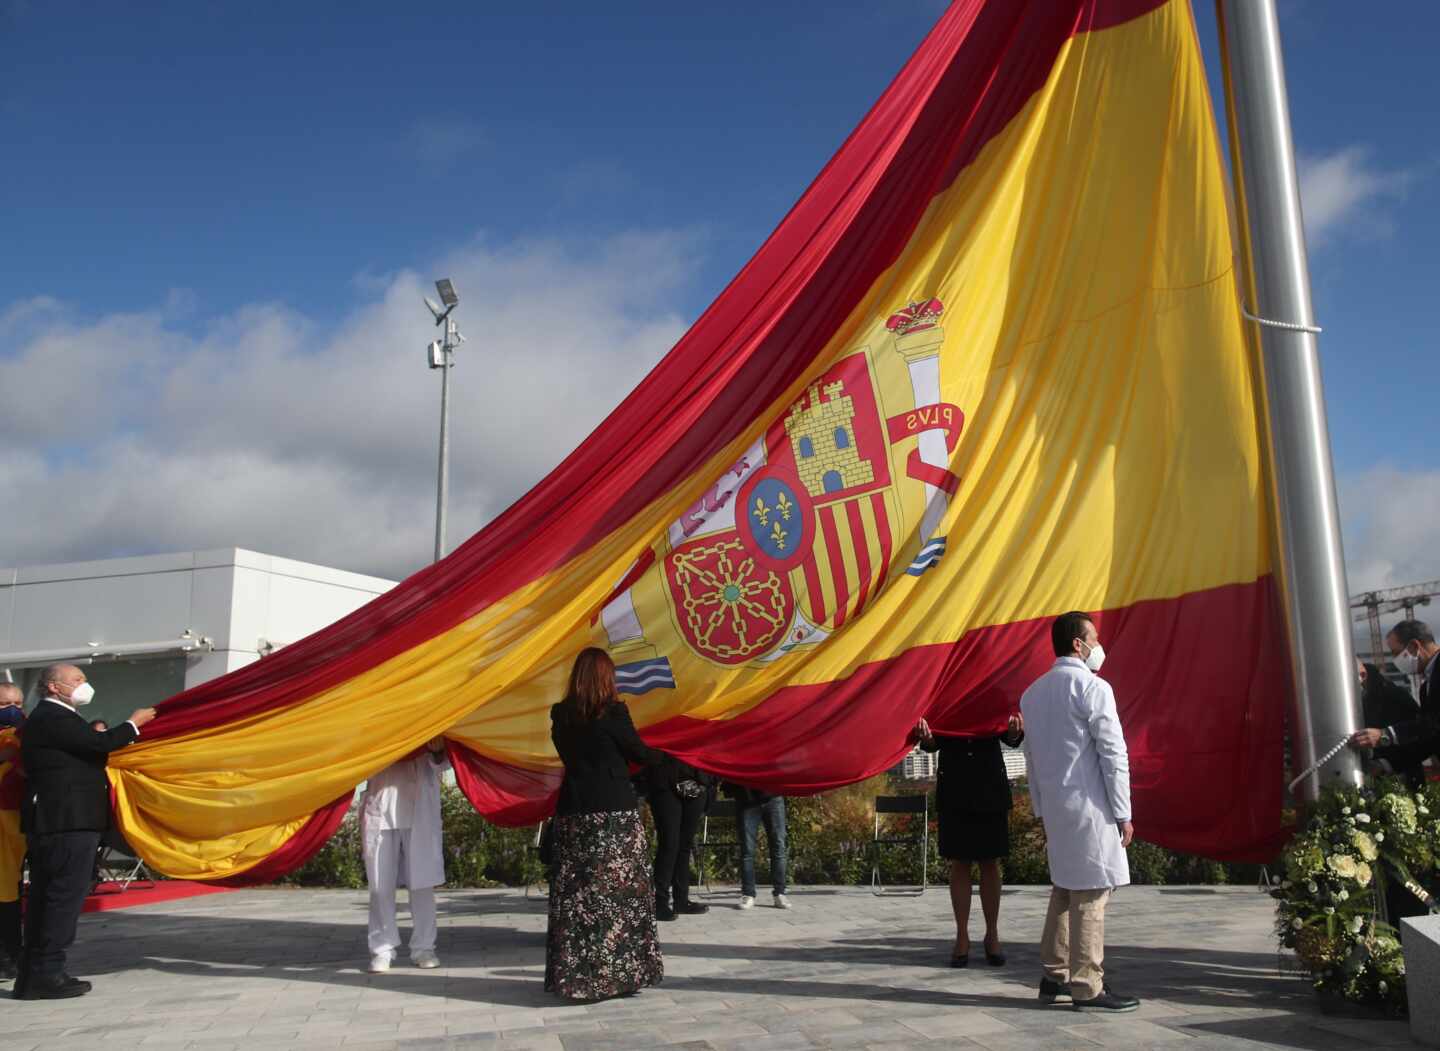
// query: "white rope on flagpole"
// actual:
[[1288, 326], [1317, 764]]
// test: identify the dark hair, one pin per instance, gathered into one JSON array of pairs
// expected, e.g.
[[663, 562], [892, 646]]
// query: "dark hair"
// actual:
[[592, 683], [1408, 631], [1067, 628]]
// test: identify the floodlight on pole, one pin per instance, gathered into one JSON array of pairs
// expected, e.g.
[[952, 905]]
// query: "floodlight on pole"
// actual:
[[441, 355]]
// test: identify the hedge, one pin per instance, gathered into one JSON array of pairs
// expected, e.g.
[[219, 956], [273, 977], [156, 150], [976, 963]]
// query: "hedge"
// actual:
[[829, 843]]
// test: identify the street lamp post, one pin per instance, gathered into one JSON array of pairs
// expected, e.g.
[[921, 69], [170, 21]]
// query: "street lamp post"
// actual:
[[442, 357]]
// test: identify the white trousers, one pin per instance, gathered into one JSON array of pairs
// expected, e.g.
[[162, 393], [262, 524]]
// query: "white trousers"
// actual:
[[382, 869]]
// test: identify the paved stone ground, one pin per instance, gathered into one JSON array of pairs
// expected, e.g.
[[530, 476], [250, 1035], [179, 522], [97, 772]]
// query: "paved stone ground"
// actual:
[[843, 969]]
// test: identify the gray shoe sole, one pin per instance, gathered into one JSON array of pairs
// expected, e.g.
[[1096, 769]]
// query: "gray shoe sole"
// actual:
[[1082, 1005]]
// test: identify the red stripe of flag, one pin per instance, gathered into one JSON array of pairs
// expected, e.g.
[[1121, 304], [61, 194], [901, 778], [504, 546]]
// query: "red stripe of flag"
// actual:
[[837, 563], [882, 526], [812, 585], [862, 551]]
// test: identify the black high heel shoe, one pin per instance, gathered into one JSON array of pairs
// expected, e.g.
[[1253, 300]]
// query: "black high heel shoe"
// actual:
[[960, 959], [994, 959]]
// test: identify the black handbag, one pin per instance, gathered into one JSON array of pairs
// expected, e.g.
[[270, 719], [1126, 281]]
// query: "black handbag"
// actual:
[[689, 788]]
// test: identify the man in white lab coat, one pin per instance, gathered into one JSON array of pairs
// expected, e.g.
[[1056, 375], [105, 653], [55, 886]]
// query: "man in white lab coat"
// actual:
[[1079, 775], [400, 828]]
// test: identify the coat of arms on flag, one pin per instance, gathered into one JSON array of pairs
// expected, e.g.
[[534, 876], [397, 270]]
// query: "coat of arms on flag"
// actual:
[[803, 532]]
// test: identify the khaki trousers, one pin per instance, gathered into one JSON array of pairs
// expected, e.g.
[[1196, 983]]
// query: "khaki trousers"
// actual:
[[1073, 946]]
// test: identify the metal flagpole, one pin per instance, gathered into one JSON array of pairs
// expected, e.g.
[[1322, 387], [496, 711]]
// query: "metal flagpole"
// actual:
[[1272, 238], [442, 490]]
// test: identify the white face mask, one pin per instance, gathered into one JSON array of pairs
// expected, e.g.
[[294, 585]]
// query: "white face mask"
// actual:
[[1095, 657], [82, 695], [1407, 662]]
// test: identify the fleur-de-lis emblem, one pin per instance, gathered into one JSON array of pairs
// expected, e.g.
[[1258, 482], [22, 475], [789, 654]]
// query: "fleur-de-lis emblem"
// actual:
[[785, 505], [779, 535], [761, 512]]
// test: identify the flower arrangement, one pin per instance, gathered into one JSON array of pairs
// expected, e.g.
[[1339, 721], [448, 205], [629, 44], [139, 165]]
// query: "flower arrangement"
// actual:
[[1330, 900]]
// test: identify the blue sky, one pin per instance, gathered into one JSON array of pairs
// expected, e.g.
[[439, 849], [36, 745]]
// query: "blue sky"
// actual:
[[216, 193]]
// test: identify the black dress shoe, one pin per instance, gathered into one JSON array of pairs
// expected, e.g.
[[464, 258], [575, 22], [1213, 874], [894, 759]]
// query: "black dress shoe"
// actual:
[[77, 982], [7, 970], [664, 912], [51, 989], [1051, 990], [692, 908], [1108, 1001]]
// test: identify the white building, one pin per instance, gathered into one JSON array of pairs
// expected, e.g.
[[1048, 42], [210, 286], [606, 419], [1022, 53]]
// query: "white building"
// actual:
[[923, 766], [146, 628], [919, 765]]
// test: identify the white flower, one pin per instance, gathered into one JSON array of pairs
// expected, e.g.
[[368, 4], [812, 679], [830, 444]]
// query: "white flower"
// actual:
[[1383, 987], [1329, 910], [1345, 810], [1311, 886], [1379, 837], [1357, 924], [1297, 924], [1344, 895], [1364, 819]]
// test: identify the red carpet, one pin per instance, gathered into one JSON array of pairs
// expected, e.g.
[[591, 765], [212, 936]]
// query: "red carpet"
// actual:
[[110, 896]]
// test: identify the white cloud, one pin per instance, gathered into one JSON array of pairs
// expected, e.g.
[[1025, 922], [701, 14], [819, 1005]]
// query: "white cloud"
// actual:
[[1347, 190], [131, 433], [1392, 527]]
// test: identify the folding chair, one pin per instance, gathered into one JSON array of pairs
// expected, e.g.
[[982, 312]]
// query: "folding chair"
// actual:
[[534, 849], [725, 810], [910, 804], [116, 863]]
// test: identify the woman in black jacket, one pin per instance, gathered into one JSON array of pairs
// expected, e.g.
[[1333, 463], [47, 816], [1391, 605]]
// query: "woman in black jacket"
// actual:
[[972, 800], [601, 939], [678, 795]]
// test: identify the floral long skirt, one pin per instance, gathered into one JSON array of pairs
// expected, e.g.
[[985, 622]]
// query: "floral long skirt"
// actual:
[[601, 941]]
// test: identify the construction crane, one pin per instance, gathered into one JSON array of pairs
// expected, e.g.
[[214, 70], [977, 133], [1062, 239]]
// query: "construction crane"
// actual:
[[1371, 604]]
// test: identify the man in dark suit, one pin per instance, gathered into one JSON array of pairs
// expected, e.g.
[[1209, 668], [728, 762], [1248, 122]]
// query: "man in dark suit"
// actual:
[[1384, 703], [1414, 651], [65, 809]]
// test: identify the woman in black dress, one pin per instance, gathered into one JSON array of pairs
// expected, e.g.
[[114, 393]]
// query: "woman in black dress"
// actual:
[[973, 803], [601, 940]]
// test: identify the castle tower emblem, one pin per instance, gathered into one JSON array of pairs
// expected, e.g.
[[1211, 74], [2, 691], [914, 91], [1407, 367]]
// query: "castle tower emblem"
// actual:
[[822, 435]]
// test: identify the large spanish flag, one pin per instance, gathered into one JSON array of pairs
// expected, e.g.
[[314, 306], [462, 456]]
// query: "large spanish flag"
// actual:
[[990, 368]]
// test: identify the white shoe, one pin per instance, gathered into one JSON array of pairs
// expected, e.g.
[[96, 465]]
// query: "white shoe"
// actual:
[[782, 902], [425, 959], [380, 962], [747, 901]]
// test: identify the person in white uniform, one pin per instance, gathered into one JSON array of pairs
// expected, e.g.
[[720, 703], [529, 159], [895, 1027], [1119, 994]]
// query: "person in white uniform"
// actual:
[[1079, 773], [400, 828]]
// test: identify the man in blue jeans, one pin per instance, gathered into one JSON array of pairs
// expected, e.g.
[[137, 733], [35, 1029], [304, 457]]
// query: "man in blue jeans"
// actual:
[[753, 806]]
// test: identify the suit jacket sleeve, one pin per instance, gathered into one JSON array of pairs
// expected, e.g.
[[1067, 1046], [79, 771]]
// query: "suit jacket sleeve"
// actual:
[[76, 737], [1110, 746], [1422, 726], [622, 731]]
